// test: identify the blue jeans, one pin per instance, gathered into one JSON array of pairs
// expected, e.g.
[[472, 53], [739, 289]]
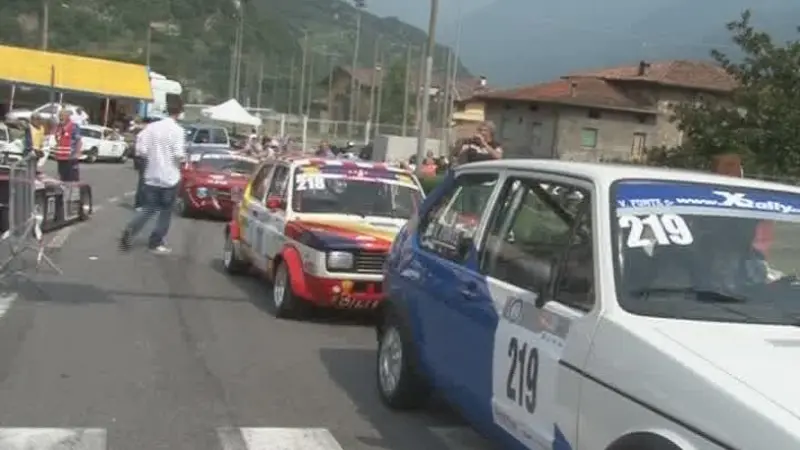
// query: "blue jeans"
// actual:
[[154, 200], [138, 200]]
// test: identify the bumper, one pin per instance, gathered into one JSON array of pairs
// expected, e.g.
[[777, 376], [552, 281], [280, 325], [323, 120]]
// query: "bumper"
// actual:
[[212, 206], [343, 293]]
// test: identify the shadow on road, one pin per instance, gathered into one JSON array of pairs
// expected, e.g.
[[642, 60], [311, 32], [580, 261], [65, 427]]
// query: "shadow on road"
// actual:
[[398, 430], [259, 291]]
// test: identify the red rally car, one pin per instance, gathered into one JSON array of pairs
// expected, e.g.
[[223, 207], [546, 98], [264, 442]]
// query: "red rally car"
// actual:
[[212, 183]]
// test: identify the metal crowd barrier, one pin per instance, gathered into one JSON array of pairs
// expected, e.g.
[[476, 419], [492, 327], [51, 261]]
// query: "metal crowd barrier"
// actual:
[[20, 216]]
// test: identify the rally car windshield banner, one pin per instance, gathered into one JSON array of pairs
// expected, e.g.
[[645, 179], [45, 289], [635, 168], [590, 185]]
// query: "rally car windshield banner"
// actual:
[[656, 197], [372, 174]]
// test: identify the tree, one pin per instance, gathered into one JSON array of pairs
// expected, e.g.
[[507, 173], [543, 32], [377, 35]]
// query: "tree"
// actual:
[[761, 119], [394, 89]]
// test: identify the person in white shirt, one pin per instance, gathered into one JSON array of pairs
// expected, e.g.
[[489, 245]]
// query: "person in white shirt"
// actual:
[[79, 117], [163, 145]]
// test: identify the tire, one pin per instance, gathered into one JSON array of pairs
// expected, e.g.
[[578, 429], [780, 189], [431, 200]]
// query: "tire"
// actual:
[[91, 156], [183, 207], [400, 385], [124, 158], [85, 205], [285, 304], [233, 264]]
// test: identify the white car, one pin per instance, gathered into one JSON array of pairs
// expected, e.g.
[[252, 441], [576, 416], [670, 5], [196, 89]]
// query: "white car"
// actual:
[[102, 143], [320, 228], [9, 147], [48, 111], [657, 310]]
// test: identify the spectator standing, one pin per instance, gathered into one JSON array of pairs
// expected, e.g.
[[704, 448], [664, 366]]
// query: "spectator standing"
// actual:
[[163, 145], [324, 150], [480, 147], [68, 148], [139, 163]]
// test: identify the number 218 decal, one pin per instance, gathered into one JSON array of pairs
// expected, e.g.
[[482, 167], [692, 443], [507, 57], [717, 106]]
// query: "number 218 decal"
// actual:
[[522, 374]]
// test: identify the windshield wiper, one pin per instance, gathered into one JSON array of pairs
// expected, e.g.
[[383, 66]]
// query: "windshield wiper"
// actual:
[[702, 295]]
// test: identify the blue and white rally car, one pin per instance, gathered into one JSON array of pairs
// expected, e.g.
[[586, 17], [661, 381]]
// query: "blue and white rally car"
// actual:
[[571, 306]]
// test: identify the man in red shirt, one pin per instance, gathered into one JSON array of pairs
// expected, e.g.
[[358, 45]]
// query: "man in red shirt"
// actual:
[[68, 148]]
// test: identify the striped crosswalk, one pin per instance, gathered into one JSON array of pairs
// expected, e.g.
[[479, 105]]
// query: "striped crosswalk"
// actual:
[[230, 438]]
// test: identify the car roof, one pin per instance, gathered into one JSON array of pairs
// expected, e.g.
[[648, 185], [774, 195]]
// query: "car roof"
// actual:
[[606, 174], [203, 126], [94, 127]]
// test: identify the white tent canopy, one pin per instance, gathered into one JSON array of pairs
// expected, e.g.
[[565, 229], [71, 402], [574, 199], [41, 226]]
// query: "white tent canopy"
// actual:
[[231, 112]]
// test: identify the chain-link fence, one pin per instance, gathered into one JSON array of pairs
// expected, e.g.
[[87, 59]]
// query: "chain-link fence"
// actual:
[[310, 131]]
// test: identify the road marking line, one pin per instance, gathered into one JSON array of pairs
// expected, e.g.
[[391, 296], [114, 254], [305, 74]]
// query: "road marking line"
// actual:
[[129, 194], [113, 200], [6, 300], [277, 439], [51, 438]]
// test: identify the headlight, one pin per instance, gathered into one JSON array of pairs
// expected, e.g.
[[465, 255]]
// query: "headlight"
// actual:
[[201, 192], [340, 261]]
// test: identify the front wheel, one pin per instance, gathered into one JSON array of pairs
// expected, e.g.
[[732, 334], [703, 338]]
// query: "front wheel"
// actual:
[[233, 263], [123, 158], [400, 385], [183, 207], [85, 205], [91, 156], [285, 303]]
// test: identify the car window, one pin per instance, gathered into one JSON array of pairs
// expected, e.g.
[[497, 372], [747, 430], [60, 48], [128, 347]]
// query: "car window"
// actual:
[[574, 285], [218, 136], [258, 189], [529, 233], [202, 136], [279, 182], [90, 133], [455, 217]]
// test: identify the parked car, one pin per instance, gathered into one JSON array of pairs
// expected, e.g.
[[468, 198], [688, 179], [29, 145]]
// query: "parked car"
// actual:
[[9, 145], [205, 136], [101, 143], [212, 183], [566, 305], [320, 229], [48, 111]]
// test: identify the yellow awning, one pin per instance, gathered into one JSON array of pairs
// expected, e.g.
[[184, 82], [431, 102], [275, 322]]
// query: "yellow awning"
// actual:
[[74, 73]]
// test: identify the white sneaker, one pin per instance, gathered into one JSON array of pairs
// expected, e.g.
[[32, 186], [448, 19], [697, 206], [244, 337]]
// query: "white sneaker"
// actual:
[[139, 208], [161, 250]]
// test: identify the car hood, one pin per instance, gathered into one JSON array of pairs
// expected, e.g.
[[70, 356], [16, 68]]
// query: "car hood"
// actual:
[[765, 358], [373, 233]]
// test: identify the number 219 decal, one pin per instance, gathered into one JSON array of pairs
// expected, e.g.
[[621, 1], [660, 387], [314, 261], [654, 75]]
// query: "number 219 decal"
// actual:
[[523, 374], [665, 229]]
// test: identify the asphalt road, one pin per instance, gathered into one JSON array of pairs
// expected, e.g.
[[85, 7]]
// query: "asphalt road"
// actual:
[[143, 352]]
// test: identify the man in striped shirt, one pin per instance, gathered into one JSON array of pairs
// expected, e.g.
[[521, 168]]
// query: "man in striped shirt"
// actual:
[[163, 147]]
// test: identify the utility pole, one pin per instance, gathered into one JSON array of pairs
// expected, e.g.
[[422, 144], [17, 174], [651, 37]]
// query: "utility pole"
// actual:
[[419, 83], [232, 78], [360, 5], [426, 85], [239, 53], [405, 90], [375, 73], [148, 44], [291, 88], [260, 83], [45, 23], [454, 79], [330, 87], [380, 95], [310, 83], [445, 91], [274, 101], [303, 73]]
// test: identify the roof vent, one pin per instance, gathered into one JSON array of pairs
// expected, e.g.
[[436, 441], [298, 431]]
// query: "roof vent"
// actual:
[[573, 86], [482, 82], [643, 66]]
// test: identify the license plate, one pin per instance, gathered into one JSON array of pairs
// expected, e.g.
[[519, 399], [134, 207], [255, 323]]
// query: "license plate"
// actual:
[[351, 303]]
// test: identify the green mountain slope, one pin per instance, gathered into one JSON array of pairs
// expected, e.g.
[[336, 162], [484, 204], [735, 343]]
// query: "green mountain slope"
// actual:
[[192, 40]]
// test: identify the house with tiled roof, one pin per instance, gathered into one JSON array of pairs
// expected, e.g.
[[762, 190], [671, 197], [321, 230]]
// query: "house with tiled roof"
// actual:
[[612, 113]]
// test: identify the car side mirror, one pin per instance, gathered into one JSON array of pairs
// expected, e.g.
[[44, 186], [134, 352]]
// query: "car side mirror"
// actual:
[[275, 203]]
